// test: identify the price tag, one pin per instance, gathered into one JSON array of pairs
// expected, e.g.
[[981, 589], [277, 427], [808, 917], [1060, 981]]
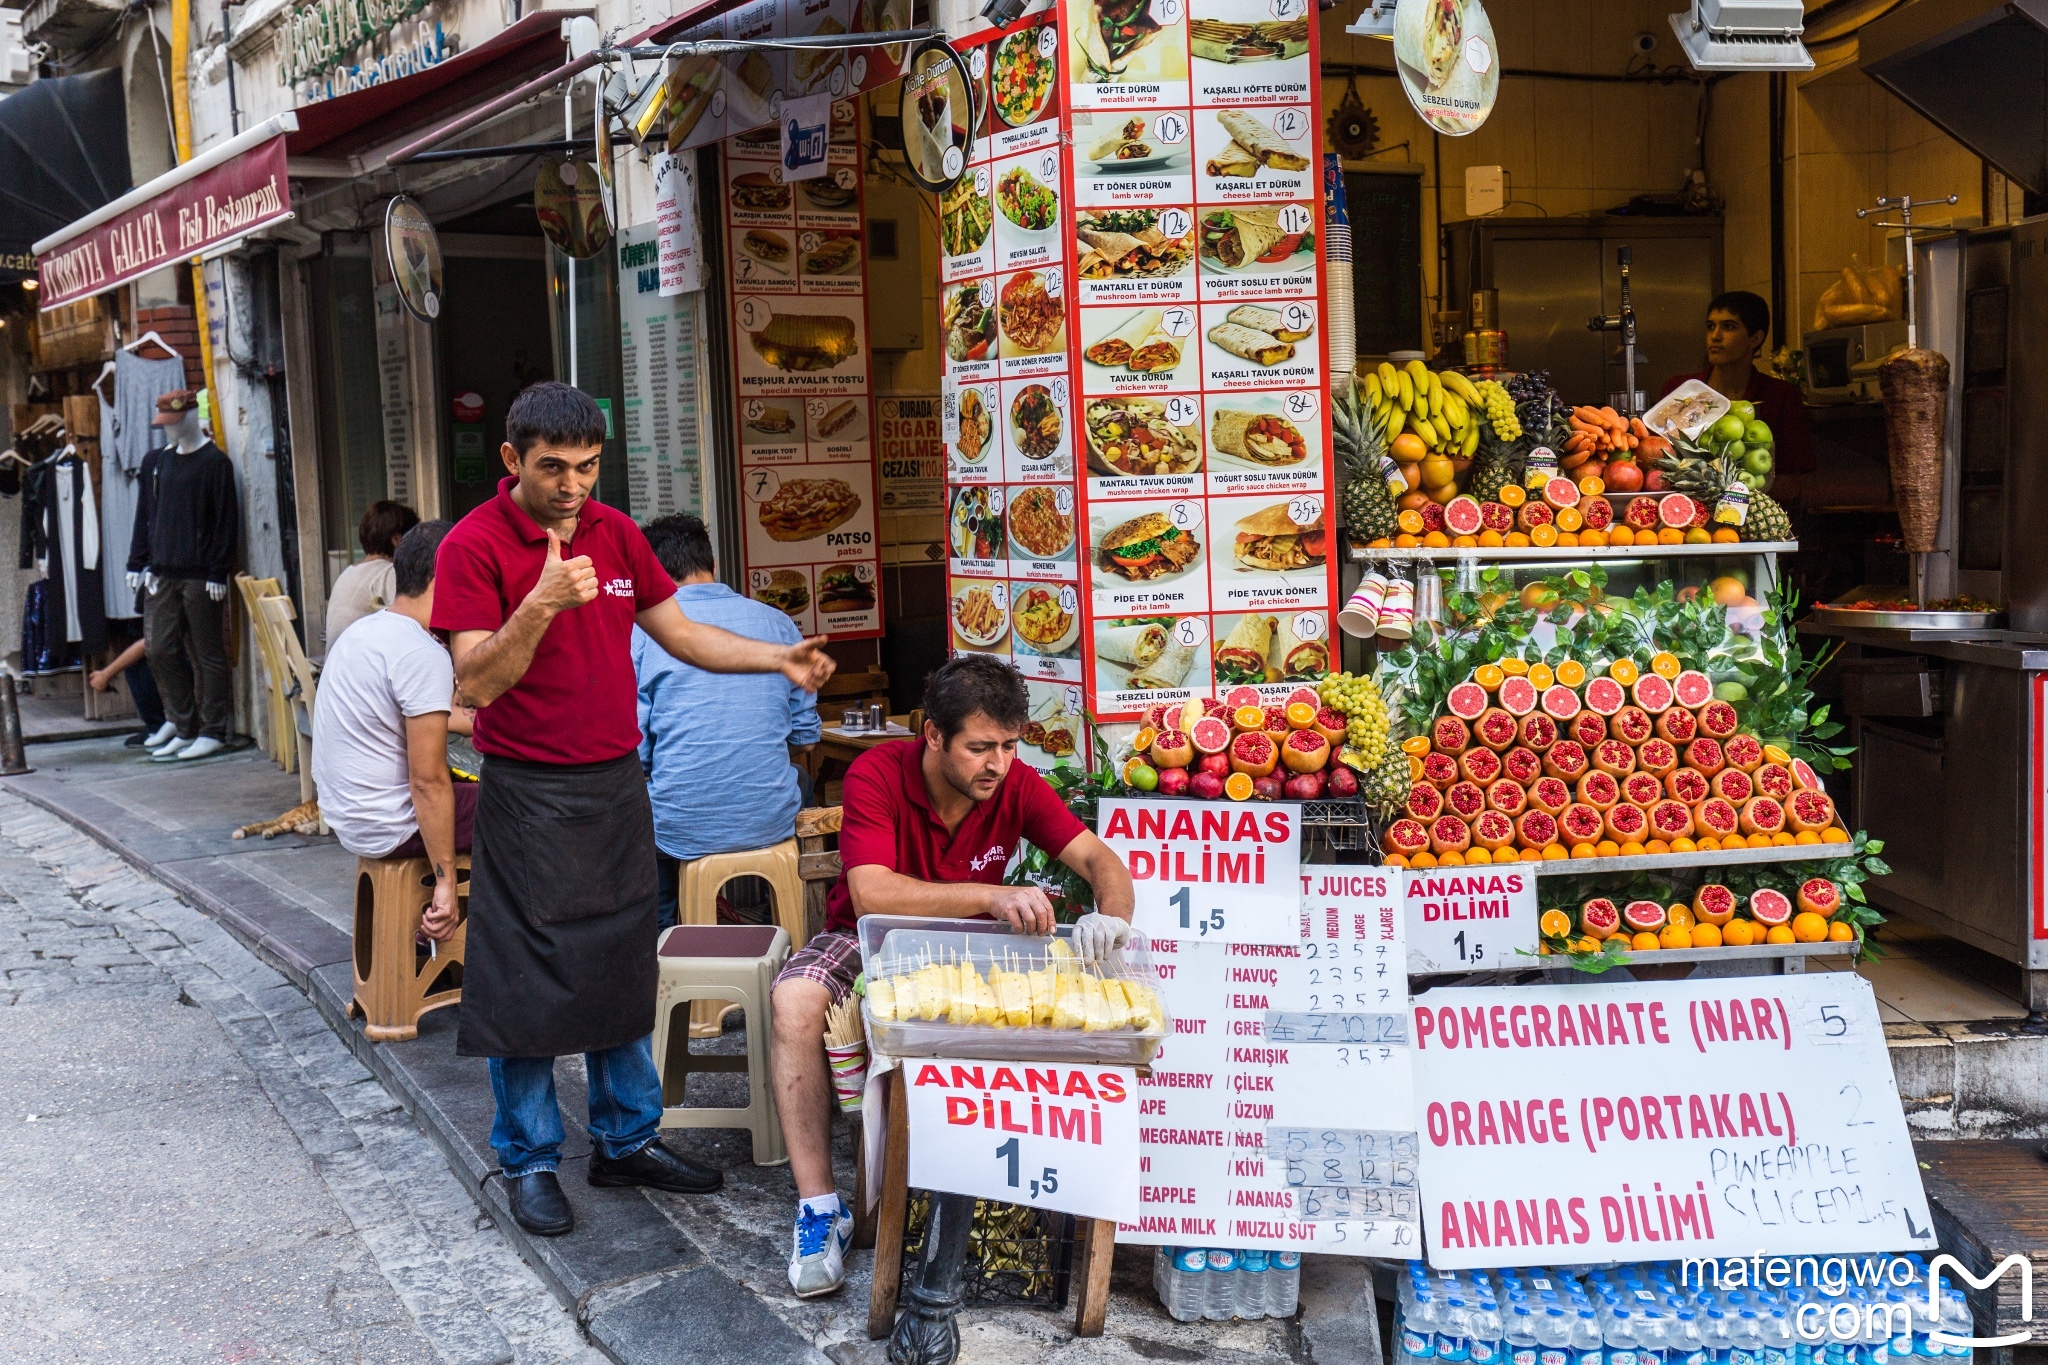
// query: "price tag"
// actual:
[[1175, 222], [1170, 11], [1305, 510], [1295, 218], [1073, 693], [981, 190], [977, 63], [995, 501], [1049, 167], [756, 409], [1469, 919], [1288, 9], [1000, 595], [1834, 1023], [1053, 282], [1069, 601], [1191, 631], [1063, 499], [810, 241], [1186, 515], [988, 292], [949, 162], [844, 177], [753, 313], [1059, 393], [762, 484], [816, 408], [1227, 873], [1309, 625], [1170, 128], [1301, 405], [1291, 124], [1181, 411], [1177, 322], [1297, 317], [1054, 1137], [1048, 42]]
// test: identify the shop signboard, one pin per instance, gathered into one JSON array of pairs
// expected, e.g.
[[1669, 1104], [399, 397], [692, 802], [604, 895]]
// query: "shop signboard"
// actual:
[[1449, 62], [569, 202], [1279, 1112], [660, 347], [1210, 871], [911, 458], [413, 251], [808, 493], [1631, 1121], [1470, 919], [1044, 1134]]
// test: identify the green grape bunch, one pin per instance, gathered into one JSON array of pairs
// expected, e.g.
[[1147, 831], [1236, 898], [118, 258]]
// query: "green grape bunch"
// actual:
[[1500, 410], [1366, 723]]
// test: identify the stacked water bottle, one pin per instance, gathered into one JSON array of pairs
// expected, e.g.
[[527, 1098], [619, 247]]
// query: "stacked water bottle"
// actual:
[[1646, 1314], [1219, 1284]]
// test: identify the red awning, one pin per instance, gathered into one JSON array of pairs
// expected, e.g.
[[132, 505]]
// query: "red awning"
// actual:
[[368, 118]]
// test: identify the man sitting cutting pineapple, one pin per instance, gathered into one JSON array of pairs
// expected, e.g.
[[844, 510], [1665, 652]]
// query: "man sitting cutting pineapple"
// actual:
[[929, 825]]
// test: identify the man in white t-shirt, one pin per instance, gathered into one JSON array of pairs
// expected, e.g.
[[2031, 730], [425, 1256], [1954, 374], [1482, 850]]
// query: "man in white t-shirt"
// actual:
[[380, 733]]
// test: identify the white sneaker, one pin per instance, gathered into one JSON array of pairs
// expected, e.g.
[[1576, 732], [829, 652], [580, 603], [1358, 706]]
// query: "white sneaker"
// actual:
[[163, 735], [206, 746], [817, 1266], [166, 752]]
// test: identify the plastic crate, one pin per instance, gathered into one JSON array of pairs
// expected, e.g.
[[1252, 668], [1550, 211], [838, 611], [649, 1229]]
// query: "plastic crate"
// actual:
[[1016, 1256]]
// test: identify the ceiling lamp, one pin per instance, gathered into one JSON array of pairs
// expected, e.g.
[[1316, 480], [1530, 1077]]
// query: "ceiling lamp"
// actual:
[[1376, 21], [1744, 35]]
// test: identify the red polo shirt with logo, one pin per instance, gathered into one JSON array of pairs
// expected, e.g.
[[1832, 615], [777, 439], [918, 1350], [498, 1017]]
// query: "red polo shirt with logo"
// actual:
[[888, 821], [577, 702]]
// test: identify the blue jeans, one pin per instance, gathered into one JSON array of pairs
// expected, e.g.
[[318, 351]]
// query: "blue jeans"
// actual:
[[625, 1107]]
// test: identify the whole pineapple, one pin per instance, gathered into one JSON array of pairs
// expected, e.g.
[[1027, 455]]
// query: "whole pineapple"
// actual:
[[1385, 788], [1768, 519], [1690, 470], [1495, 467], [1366, 506]]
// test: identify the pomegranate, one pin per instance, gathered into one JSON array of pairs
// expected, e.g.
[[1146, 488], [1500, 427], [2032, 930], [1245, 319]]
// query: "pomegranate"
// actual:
[[1550, 795], [1810, 810], [1716, 818], [1303, 787], [1493, 830], [1496, 729], [1677, 725], [1205, 786], [1424, 801], [1536, 829], [1407, 838], [1267, 788], [1173, 781], [1450, 735], [1588, 728], [1657, 756], [1539, 731], [1497, 516], [1217, 707], [1642, 789], [1215, 765], [1644, 916], [1162, 715], [1762, 815], [1733, 785], [1343, 784], [1508, 797], [1745, 752], [1599, 790], [1306, 751], [1631, 724], [1432, 516], [1566, 759], [1439, 769], [1172, 749], [1254, 753], [1599, 512], [1705, 755], [1713, 903], [1688, 785], [1532, 515], [1600, 918], [1522, 765], [1464, 800], [1819, 896], [1276, 724], [1614, 756], [1718, 718], [1449, 834], [1670, 820], [1774, 780], [1581, 824], [1641, 514], [1330, 725], [1623, 476], [1627, 824], [1770, 908], [1479, 765]]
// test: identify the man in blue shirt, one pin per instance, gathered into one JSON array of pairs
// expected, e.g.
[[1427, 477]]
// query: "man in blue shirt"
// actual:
[[716, 746]]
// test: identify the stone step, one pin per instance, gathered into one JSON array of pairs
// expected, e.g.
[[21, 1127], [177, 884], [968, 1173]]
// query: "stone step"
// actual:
[[1972, 1080]]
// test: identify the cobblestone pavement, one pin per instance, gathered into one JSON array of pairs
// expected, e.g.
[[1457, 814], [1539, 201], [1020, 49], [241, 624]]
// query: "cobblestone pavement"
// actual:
[[194, 1167]]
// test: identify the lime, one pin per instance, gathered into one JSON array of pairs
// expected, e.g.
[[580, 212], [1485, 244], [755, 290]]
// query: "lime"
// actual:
[[1757, 434], [1757, 460], [1744, 409], [1731, 691], [1143, 776], [1729, 428]]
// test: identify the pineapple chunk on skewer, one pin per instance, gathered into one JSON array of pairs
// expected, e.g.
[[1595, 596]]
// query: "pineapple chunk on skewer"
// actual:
[[1044, 989], [1013, 992], [882, 1001], [1117, 1002]]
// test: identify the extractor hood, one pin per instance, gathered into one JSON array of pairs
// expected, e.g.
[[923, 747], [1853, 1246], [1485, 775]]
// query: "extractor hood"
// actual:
[[1977, 69]]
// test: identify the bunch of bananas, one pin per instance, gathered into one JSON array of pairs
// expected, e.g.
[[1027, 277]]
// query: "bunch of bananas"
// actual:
[[1435, 406], [1500, 410]]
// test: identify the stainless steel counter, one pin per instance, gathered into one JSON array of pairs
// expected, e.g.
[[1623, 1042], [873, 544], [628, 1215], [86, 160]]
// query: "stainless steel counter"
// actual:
[[1992, 648]]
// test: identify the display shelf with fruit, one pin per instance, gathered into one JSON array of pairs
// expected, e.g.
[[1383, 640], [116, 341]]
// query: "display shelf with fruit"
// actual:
[[1317, 747]]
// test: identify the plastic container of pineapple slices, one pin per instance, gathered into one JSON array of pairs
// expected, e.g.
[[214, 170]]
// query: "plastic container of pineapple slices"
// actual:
[[895, 950]]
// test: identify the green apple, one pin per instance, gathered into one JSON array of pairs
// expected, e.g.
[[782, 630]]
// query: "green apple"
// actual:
[[1757, 461], [1758, 434], [1744, 409], [1729, 428]]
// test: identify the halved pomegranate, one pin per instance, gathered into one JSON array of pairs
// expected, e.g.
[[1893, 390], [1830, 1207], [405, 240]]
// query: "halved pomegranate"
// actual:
[[1496, 729], [1276, 724], [1631, 723], [1536, 829], [1439, 769], [1565, 759], [1770, 908], [1678, 726], [1172, 749], [1255, 754], [1407, 838], [1705, 755], [1641, 513], [1688, 785], [1508, 797], [1762, 815], [1588, 728], [1497, 516], [1449, 834], [1670, 820], [1642, 789], [1614, 756], [1479, 765], [1493, 830], [1813, 811], [1599, 790], [1658, 756], [1464, 800], [1733, 784], [1539, 731], [1424, 801], [1774, 780], [1550, 795], [1714, 903], [1450, 735], [1523, 765], [1818, 896], [1600, 917], [1744, 751], [1627, 824], [1330, 725], [1581, 824], [1306, 751], [1718, 718], [1716, 817]]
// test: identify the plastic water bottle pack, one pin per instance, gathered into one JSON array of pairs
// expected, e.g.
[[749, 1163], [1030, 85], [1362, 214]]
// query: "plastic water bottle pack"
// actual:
[[1221, 1283]]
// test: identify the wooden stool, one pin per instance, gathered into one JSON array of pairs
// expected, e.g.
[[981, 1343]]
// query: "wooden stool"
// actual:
[[697, 901], [721, 962], [395, 978]]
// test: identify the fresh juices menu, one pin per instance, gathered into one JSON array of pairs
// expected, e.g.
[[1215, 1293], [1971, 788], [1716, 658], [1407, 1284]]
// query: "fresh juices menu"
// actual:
[[1138, 454]]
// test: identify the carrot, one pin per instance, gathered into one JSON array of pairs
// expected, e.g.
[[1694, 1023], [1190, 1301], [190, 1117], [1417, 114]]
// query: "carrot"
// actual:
[[1590, 416], [1579, 441], [1573, 459], [1615, 421], [1636, 428]]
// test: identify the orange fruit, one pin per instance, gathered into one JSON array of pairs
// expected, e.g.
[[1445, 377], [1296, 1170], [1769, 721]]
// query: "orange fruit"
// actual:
[[1422, 860], [1414, 769], [1666, 665], [1782, 840], [1709, 844], [1645, 942], [1436, 540], [1583, 851], [1570, 518], [1763, 840], [1838, 932], [1513, 495], [1417, 745], [1834, 834], [1571, 673], [1706, 935], [1554, 924], [1516, 540], [1656, 846], [1514, 667], [1607, 848], [1489, 676], [1675, 936], [1631, 849], [1683, 845], [1624, 671], [1381, 544], [1404, 541], [1300, 715], [1681, 915], [1545, 535], [1592, 485], [1410, 521], [1587, 944], [1670, 535], [1620, 536], [1443, 493], [1250, 718], [1540, 676], [1772, 753], [1491, 539], [1477, 856], [1408, 448], [1397, 860], [1238, 787], [1567, 539], [1779, 934], [1808, 927], [1727, 535], [1142, 741], [1532, 855], [1464, 542], [1450, 857], [1806, 836], [1554, 853], [1543, 947], [1595, 538]]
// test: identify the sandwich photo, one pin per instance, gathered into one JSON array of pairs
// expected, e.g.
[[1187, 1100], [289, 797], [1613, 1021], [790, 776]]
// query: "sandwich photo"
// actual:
[[1127, 143], [1241, 657], [1294, 658], [840, 589], [834, 256], [1253, 144], [806, 508], [809, 67], [1260, 438], [759, 192], [1127, 244], [838, 418], [1110, 33], [1215, 40], [1131, 436], [786, 591], [773, 421], [1268, 320], [1240, 238], [1270, 541], [1248, 343], [803, 342], [769, 248], [825, 193], [1443, 34], [1148, 547]]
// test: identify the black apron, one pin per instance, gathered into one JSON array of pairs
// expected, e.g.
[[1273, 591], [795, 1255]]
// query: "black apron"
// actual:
[[562, 910]]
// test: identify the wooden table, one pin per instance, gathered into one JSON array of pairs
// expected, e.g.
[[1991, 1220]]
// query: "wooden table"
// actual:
[[846, 748]]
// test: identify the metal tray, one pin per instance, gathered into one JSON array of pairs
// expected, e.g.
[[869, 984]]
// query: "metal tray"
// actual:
[[1909, 620], [1107, 1047]]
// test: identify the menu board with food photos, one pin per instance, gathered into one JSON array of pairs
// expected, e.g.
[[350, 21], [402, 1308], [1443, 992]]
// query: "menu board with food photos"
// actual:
[[808, 493], [1138, 455]]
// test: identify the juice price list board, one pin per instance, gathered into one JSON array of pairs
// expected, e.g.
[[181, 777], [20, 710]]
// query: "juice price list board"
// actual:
[[799, 316], [1132, 307], [1279, 1114]]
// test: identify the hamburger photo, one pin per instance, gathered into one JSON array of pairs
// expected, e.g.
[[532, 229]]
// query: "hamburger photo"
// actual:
[[759, 192], [840, 589], [1271, 541], [787, 591]]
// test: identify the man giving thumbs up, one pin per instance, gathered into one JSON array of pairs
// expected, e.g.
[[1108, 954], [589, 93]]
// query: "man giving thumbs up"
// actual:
[[539, 589]]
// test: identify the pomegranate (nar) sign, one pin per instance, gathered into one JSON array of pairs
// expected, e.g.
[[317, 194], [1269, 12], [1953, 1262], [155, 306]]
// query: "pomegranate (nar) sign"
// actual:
[[1211, 871]]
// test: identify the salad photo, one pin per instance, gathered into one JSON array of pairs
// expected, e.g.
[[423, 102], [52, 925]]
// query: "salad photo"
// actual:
[[1021, 78], [1026, 202]]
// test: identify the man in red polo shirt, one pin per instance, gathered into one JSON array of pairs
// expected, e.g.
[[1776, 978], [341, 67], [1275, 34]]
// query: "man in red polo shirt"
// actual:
[[929, 826], [540, 589]]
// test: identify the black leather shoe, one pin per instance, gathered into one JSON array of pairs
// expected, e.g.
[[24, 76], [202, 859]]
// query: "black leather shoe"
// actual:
[[538, 1204], [656, 1167]]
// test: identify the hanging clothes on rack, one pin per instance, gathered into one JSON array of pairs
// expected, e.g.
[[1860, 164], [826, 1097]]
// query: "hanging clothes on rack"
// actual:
[[75, 529], [43, 650], [126, 436]]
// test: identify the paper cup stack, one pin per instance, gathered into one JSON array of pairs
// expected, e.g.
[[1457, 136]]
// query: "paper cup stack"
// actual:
[[1360, 618], [1397, 611], [1342, 319]]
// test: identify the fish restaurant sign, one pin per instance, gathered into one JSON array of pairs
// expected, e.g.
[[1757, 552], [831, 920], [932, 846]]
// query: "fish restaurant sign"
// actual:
[[209, 208]]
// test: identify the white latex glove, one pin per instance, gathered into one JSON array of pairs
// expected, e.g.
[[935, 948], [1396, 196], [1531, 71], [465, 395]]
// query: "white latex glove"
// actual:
[[1097, 935], [135, 578], [217, 591], [151, 583]]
